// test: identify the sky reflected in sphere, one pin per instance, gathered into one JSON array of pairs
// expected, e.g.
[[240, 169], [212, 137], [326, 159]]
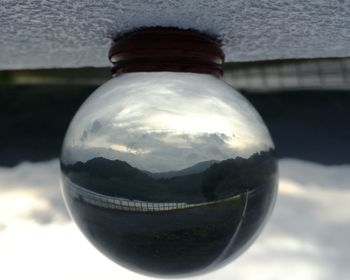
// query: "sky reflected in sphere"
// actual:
[[168, 173]]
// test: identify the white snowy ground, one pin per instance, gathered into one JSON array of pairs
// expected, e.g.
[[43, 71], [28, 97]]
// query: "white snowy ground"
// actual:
[[306, 238], [48, 34]]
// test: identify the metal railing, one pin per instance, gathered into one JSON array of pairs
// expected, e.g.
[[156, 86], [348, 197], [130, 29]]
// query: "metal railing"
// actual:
[[323, 73], [332, 73], [124, 204]]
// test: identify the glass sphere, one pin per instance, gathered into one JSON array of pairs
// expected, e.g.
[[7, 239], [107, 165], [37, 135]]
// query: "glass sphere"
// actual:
[[168, 174]]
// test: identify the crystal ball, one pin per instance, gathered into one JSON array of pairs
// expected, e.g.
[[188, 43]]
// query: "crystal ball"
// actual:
[[168, 174]]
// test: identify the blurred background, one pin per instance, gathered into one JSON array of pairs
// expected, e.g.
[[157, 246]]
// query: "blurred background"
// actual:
[[306, 106]]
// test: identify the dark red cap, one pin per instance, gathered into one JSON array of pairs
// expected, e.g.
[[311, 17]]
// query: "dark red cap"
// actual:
[[158, 49]]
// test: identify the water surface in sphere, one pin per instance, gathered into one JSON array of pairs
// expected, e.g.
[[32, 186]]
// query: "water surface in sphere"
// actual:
[[168, 174]]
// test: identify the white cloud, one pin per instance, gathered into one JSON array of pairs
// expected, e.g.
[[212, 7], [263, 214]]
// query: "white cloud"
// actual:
[[306, 238], [137, 111]]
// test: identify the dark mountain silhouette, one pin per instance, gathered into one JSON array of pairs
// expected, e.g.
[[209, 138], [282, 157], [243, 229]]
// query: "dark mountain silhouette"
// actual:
[[204, 181], [197, 168]]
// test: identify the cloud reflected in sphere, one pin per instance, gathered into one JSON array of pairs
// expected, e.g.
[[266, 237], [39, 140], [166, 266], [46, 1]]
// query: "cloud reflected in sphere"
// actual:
[[168, 174]]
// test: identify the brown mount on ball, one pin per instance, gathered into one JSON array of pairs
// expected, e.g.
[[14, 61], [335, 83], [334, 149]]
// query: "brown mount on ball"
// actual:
[[159, 49]]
